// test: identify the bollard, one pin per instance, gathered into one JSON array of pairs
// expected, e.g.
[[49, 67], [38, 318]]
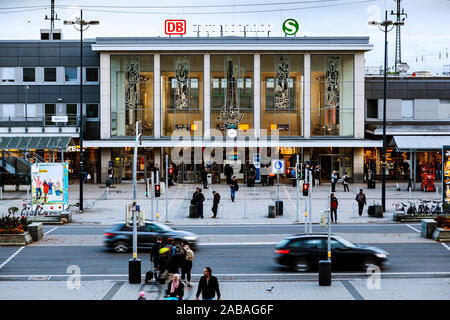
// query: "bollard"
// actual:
[[107, 193], [353, 210], [245, 210], [1, 193], [437, 191], [409, 190]]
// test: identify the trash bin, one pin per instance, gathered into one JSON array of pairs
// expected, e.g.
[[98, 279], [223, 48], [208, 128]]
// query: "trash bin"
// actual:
[[271, 211], [324, 273], [191, 211], [371, 184], [279, 207], [375, 211], [134, 271], [209, 178]]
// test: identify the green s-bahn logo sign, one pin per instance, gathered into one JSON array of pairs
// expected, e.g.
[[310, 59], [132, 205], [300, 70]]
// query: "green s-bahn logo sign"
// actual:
[[290, 27]]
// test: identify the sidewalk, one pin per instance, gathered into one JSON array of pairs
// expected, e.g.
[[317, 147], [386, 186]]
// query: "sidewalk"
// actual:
[[359, 289], [250, 207]]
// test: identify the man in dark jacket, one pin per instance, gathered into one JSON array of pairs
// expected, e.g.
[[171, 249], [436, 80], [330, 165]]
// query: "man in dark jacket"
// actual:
[[208, 286], [215, 204], [154, 256], [361, 199], [228, 172], [199, 198], [204, 176]]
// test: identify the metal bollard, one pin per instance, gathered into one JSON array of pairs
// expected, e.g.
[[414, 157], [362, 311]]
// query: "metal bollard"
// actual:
[[107, 193], [409, 190], [353, 210], [437, 191]]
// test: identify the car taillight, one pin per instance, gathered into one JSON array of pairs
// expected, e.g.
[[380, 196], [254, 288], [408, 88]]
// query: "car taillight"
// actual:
[[282, 251], [109, 234]]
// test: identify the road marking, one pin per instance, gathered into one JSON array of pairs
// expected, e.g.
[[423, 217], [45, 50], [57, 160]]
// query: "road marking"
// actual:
[[446, 246], [352, 290], [112, 292], [50, 231], [11, 257], [413, 228]]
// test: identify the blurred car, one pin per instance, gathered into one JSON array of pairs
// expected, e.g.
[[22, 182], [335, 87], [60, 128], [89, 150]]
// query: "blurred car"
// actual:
[[120, 236], [303, 252]]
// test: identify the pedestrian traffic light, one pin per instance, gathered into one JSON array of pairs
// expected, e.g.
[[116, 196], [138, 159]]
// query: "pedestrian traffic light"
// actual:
[[170, 171], [305, 189], [157, 191]]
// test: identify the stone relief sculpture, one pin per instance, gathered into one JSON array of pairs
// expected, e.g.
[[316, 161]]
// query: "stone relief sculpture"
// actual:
[[281, 85], [230, 111], [332, 99], [131, 89], [182, 88]]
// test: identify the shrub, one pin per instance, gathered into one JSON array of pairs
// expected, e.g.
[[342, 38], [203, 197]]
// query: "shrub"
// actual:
[[12, 210], [13, 225], [443, 222]]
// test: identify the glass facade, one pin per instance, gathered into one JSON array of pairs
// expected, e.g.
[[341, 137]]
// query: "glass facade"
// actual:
[[332, 95], [282, 94], [131, 94], [181, 94], [231, 92]]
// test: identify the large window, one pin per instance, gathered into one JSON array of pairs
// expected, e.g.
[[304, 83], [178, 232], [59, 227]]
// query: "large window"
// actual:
[[131, 94], [282, 94], [50, 74], [72, 114], [231, 92], [372, 109], [182, 94], [50, 110], [9, 111], [29, 74], [91, 75], [92, 111], [332, 87], [407, 109], [8, 74], [71, 74]]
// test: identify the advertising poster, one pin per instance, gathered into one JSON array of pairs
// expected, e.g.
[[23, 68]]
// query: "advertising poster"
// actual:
[[446, 175], [50, 186]]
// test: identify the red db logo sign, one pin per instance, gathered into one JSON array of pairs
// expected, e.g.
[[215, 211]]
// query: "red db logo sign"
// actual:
[[175, 26]]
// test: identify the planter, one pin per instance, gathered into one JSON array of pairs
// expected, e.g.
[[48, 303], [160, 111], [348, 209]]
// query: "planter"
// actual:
[[402, 217], [441, 235], [53, 219], [20, 239], [428, 227]]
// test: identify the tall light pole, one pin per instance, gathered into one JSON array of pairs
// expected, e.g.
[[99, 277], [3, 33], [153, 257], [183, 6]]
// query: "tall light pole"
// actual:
[[26, 107], [81, 25], [383, 26]]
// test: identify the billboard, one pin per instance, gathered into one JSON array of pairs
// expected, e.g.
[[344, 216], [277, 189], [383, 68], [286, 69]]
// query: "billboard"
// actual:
[[446, 175], [50, 186]]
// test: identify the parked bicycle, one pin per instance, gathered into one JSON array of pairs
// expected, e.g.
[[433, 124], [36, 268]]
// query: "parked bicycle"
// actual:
[[28, 211]]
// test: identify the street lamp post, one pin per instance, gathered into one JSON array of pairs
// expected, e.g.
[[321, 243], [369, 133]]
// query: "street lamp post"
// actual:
[[26, 107], [384, 27], [82, 26]]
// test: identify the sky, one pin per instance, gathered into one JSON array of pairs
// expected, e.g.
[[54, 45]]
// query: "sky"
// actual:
[[425, 36]]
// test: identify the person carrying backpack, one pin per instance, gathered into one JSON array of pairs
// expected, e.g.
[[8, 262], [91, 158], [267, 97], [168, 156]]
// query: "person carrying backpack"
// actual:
[[333, 208], [187, 264], [345, 182], [361, 199]]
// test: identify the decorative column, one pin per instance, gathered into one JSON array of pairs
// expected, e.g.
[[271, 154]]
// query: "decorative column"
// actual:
[[206, 95], [307, 97], [105, 96], [359, 95], [157, 95], [257, 95]]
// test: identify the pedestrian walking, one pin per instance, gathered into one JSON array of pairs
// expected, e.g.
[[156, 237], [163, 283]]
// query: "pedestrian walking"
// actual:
[[317, 175], [333, 181], [333, 208], [188, 258], [111, 175], [361, 199], [228, 172], [233, 188], [345, 181], [154, 255], [251, 177], [199, 199], [142, 296], [208, 286], [215, 206], [204, 176], [264, 175], [175, 288], [366, 172]]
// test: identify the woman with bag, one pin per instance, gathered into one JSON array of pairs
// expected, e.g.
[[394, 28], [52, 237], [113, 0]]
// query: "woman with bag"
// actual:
[[345, 182], [186, 266], [333, 208], [175, 288]]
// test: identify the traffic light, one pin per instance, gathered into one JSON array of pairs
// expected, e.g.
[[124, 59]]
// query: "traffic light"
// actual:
[[170, 171], [157, 191], [305, 189]]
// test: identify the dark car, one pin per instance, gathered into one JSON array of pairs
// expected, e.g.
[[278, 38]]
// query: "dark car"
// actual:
[[303, 252], [120, 236]]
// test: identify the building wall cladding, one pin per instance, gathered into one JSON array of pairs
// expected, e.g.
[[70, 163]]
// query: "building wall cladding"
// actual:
[[408, 88]]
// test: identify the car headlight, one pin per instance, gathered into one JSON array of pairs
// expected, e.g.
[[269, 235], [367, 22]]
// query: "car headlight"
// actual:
[[191, 238], [381, 255]]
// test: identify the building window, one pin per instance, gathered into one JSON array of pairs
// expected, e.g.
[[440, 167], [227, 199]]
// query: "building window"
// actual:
[[282, 94], [232, 92], [29, 74], [182, 94], [91, 111], [8, 74], [72, 114], [50, 110], [332, 91], [50, 74], [131, 101], [407, 109], [71, 74], [9, 111], [91, 75], [30, 110], [372, 108]]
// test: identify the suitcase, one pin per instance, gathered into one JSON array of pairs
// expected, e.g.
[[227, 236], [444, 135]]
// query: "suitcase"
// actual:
[[191, 211], [148, 276], [249, 182], [371, 184]]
